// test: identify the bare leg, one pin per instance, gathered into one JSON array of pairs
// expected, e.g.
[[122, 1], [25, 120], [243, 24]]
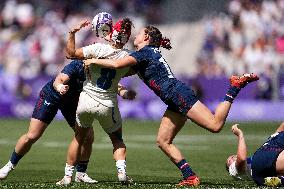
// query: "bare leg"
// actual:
[[119, 148], [80, 147], [203, 117], [170, 125], [26, 141], [86, 150]]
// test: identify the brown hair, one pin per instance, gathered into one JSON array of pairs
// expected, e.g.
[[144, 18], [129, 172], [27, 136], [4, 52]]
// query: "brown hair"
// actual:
[[156, 38], [126, 25], [122, 31]]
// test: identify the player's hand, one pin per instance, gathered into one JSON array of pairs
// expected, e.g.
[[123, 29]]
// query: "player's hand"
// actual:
[[62, 89], [81, 25], [129, 94], [88, 62], [236, 130]]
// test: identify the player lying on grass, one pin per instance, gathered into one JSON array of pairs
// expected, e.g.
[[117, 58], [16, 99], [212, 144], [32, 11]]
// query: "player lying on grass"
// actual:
[[265, 166], [182, 103], [61, 93], [99, 99]]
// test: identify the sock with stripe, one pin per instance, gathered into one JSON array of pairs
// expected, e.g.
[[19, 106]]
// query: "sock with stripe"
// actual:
[[185, 169], [231, 94]]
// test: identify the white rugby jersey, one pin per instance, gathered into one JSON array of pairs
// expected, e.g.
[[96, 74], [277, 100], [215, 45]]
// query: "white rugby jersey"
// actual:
[[101, 83]]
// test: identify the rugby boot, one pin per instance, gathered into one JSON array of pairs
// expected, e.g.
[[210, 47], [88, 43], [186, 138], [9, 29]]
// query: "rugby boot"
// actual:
[[4, 171], [190, 181], [84, 177], [243, 80]]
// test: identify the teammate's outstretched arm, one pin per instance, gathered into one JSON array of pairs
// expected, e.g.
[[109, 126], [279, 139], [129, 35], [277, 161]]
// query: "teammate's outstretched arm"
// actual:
[[71, 51], [242, 148], [59, 83], [114, 64]]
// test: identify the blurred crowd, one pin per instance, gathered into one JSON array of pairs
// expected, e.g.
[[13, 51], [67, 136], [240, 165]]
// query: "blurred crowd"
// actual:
[[248, 38], [33, 33]]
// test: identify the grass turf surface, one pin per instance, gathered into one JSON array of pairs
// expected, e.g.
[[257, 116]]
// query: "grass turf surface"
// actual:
[[146, 164]]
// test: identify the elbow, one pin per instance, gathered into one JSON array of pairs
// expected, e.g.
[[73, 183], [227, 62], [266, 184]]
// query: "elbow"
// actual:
[[69, 54], [215, 130]]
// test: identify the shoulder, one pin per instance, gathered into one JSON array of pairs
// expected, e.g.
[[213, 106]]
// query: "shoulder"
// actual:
[[76, 64], [140, 54], [72, 67]]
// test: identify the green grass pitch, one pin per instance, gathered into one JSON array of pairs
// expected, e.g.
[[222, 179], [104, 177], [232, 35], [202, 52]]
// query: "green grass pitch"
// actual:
[[146, 164]]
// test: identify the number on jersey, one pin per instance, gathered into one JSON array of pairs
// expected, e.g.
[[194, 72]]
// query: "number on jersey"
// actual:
[[105, 81], [170, 73]]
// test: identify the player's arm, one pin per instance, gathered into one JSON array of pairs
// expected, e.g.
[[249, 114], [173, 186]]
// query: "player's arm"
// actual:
[[114, 64], [242, 148], [125, 93], [59, 83], [71, 51], [281, 127]]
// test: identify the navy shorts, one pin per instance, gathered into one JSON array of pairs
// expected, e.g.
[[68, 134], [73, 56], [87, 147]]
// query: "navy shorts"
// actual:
[[46, 108], [181, 99], [264, 163]]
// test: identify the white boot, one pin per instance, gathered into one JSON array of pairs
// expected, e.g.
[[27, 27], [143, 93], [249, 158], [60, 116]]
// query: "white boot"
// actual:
[[124, 178], [66, 180], [84, 177], [4, 171], [121, 172]]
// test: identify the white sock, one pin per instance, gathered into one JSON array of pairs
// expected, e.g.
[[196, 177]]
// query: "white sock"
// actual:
[[121, 166], [69, 169]]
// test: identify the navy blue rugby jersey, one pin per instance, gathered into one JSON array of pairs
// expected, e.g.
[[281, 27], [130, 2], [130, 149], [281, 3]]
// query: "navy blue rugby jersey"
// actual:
[[275, 141], [75, 71], [153, 69]]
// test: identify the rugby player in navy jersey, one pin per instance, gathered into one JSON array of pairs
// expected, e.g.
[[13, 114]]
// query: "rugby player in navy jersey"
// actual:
[[265, 166], [182, 103], [61, 93]]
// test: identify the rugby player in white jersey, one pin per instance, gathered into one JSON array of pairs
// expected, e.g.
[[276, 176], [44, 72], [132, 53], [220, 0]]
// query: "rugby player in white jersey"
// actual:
[[98, 99]]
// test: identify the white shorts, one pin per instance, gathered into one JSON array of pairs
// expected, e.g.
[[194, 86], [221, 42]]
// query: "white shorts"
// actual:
[[90, 109]]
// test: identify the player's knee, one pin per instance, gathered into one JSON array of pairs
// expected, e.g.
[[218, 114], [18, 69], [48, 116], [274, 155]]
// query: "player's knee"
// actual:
[[161, 143], [31, 137], [215, 130]]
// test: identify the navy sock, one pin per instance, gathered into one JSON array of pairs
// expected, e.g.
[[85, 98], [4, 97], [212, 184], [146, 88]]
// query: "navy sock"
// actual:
[[185, 169], [15, 158], [82, 166], [231, 94]]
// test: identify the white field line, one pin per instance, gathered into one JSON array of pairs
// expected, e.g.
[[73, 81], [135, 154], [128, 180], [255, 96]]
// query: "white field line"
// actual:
[[132, 145], [184, 142]]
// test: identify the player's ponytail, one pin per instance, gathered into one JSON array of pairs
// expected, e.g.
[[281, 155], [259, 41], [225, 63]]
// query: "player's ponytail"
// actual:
[[166, 43], [126, 26], [156, 38]]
